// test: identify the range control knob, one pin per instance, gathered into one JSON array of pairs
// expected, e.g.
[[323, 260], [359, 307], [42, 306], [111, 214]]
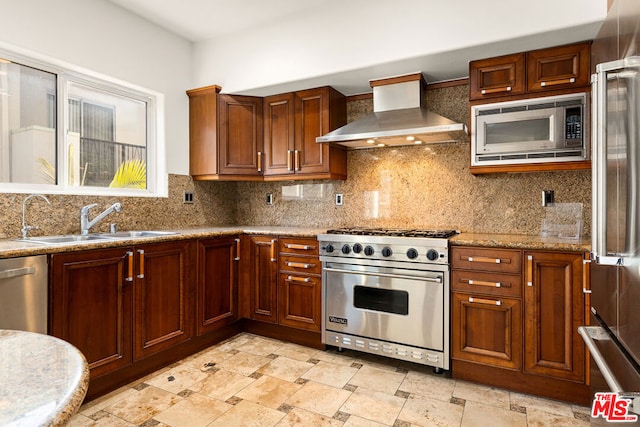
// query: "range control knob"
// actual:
[[412, 253], [329, 248], [357, 248], [368, 251], [346, 249], [432, 255], [386, 251]]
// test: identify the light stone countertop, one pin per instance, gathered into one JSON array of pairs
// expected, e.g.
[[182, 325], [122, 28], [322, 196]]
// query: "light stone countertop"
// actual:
[[44, 379], [517, 241], [10, 248]]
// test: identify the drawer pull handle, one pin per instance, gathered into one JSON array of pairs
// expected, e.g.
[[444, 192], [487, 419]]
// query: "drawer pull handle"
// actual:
[[558, 82], [485, 259], [300, 265], [296, 160], [141, 253], [129, 277], [497, 90], [484, 301], [297, 246], [483, 283], [237, 258], [298, 279], [273, 251]]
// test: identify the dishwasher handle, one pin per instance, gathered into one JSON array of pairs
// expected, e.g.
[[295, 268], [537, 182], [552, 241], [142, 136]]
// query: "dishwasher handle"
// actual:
[[16, 272]]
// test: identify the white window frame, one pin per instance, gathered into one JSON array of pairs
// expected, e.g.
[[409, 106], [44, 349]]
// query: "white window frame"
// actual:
[[157, 177]]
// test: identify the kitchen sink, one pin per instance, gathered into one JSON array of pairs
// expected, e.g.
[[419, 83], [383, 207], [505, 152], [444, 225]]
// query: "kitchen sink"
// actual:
[[94, 238], [66, 239], [136, 234]]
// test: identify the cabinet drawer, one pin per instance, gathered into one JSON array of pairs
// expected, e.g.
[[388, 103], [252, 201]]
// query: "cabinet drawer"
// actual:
[[485, 259], [299, 246], [300, 264], [487, 283]]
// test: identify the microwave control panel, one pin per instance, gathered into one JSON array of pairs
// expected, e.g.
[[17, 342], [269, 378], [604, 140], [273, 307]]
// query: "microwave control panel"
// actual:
[[573, 127]]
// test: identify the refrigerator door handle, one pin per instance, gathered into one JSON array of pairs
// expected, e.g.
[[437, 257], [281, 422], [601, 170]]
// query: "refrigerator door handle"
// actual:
[[589, 334]]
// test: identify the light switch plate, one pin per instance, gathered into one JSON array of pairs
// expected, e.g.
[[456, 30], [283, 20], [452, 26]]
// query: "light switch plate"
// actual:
[[339, 199]]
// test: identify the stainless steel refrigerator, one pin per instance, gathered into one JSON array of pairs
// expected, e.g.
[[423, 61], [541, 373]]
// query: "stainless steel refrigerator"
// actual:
[[613, 337]]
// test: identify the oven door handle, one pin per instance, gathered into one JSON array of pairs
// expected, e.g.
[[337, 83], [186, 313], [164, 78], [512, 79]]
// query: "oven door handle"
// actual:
[[392, 276]]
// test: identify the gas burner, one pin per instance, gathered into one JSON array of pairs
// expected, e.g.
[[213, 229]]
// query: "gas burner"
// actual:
[[397, 232]]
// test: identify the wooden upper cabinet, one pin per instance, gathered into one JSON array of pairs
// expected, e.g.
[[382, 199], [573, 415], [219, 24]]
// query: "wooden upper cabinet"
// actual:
[[561, 69], [279, 134], [292, 123], [492, 77], [557, 68], [203, 132], [240, 135]]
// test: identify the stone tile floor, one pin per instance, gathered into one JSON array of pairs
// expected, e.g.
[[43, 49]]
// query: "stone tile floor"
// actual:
[[250, 380]]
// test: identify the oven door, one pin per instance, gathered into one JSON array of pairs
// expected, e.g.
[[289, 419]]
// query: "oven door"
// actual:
[[388, 304]]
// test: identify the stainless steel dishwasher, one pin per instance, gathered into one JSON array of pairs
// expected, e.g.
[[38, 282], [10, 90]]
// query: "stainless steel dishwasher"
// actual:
[[23, 293]]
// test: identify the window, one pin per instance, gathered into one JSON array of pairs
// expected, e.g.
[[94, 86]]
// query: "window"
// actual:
[[64, 130]]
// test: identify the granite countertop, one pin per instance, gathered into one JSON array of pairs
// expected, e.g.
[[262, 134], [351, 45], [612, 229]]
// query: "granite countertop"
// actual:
[[44, 379], [10, 248], [13, 248], [517, 241]]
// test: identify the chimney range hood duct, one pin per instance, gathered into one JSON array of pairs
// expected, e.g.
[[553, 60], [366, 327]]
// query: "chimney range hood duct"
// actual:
[[399, 118]]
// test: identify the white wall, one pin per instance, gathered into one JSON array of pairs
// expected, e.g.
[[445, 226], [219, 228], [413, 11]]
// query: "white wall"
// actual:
[[371, 34], [99, 36]]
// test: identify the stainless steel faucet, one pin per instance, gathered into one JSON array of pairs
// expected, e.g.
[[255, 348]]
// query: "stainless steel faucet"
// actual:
[[85, 224], [26, 228]]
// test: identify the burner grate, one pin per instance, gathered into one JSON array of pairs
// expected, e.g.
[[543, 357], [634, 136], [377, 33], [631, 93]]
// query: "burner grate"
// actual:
[[398, 232]]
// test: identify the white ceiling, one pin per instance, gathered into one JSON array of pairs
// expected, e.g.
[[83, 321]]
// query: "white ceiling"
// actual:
[[203, 21], [199, 20]]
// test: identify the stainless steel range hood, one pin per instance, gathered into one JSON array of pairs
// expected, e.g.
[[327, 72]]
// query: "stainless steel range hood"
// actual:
[[399, 118]]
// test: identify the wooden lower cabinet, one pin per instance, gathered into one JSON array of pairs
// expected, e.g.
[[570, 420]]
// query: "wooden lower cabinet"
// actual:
[[487, 330], [262, 268], [91, 306], [554, 309], [121, 305], [217, 283], [162, 296], [522, 337]]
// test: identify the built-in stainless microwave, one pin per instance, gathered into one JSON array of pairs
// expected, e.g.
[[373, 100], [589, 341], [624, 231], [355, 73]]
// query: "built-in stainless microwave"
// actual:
[[536, 130]]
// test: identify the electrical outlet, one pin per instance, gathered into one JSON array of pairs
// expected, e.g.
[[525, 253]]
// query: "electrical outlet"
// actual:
[[339, 199], [187, 197], [269, 198], [548, 198]]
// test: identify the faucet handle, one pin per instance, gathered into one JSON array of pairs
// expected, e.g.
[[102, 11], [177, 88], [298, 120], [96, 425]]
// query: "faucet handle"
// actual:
[[86, 208]]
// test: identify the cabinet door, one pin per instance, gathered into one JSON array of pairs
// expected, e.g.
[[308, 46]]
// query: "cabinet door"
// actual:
[[556, 68], [279, 134], [263, 278], [240, 135], [300, 301], [319, 111], [487, 330], [493, 77], [203, 132], [554, 308], [217, 283], [162, 291], [91, 305]]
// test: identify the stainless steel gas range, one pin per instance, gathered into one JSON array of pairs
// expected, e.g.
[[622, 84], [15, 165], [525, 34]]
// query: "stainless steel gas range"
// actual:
[[386, 292]]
